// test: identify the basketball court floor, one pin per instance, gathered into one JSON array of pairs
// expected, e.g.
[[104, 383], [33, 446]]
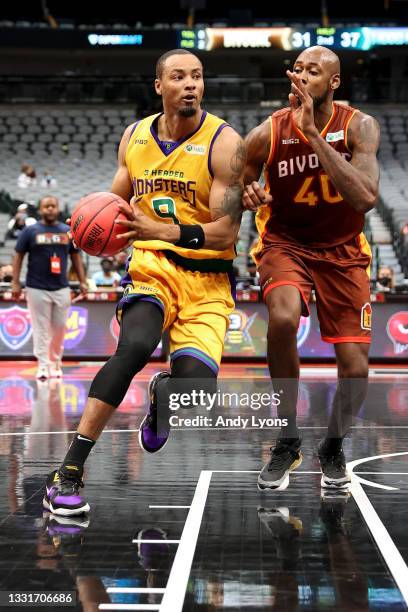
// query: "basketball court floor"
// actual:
[[187, 529]]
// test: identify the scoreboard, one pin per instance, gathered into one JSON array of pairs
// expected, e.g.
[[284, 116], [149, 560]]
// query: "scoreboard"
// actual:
[[207, 39], [290, 39]]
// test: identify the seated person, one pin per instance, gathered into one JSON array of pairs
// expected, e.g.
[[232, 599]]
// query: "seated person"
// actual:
[[74, 280], [120, 261], [48, 180], [385, 279], [107, 277], [6, 273], [17, 223], [27, 177]]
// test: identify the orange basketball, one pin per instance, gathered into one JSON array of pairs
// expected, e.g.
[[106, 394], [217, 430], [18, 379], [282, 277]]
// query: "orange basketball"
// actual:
[[92, 224]]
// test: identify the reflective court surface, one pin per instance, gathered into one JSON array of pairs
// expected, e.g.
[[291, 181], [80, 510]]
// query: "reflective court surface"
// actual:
[[187, 529]]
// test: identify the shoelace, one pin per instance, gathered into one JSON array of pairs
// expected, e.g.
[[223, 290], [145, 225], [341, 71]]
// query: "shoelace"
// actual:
[[70, 484], [336, 461], [279, 455]]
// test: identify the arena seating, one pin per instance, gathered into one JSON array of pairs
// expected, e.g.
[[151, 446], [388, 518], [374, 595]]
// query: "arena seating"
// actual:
[[78, 146]]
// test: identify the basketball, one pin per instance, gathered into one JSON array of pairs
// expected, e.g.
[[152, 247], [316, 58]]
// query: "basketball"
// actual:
[[93, 224]]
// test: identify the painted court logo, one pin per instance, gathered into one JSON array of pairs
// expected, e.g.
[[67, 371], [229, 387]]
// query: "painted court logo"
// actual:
[[77, 326], [238, 337], [195, 149], [15, 327], [366, 315]]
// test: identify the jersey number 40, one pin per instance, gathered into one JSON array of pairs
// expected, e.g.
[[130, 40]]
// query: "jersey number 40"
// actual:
[[306, 194]]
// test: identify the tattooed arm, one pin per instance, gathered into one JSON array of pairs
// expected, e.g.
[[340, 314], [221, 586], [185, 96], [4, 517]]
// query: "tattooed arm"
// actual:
[[228, 163], [225, 202]]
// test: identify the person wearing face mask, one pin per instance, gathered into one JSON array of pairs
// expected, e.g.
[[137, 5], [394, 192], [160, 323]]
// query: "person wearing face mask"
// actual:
[[6, 273], [385, 279]]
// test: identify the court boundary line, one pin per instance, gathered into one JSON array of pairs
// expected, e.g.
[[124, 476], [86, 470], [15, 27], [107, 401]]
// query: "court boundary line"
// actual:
[[168, 507], [141, 541], [391, 555], [119, 606], [176, 587], [385, 544], [135, 590]]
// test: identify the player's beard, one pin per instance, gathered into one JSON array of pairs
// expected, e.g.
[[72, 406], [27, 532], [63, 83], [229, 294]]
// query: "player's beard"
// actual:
[[319, 100], [187, 111]]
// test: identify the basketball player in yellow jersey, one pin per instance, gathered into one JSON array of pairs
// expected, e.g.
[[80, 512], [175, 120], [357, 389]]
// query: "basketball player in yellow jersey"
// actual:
[[184, 168]]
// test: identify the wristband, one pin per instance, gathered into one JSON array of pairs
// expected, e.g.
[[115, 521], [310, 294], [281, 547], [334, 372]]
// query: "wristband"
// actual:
[[191, 236]]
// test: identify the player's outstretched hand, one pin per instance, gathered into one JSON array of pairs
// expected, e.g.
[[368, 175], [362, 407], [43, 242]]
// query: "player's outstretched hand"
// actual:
[[255, 196]]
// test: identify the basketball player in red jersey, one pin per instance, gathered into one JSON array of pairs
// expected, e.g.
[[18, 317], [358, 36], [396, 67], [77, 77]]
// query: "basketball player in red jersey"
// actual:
[[321, 177]]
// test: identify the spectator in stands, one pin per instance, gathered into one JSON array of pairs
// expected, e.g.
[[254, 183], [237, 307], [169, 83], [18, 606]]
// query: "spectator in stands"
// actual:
[[48, 180], [107, 277], [120, 261], [27, 177], [6, 273], [47, 290], [17, 223], [385, 279]]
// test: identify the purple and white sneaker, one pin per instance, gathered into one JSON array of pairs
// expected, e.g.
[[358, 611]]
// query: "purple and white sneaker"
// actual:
[[154, 555], [67, 535], [154, 432], [62, 494]]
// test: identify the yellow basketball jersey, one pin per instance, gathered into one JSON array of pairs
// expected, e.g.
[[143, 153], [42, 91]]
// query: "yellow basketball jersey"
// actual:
[[172, 183]]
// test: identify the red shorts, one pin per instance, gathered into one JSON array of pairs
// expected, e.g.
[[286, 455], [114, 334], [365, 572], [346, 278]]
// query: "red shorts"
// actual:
[[340, 277]]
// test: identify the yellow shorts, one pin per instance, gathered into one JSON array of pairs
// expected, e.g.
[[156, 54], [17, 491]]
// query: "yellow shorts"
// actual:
[[196, 305]]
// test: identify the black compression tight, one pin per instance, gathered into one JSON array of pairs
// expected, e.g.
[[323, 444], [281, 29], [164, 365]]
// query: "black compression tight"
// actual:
[[140, 332], [188, 374]]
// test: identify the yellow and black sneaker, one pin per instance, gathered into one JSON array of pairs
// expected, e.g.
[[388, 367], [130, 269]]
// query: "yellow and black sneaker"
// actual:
[[280, 521], [284, 459], [62, 493]]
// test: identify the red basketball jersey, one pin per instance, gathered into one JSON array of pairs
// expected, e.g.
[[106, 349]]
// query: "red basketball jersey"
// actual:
[[306, 206]]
